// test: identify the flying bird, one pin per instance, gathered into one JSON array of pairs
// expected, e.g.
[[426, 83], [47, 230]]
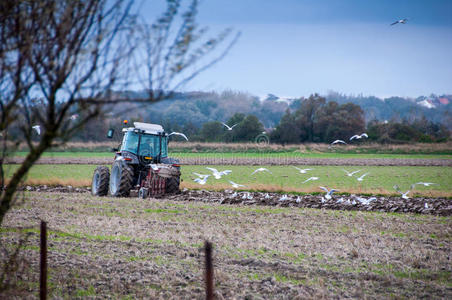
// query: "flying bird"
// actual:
[[202, 181], [37, 128], [217, 174], [229, 128], [73, 117], [402, 21], [358, 137], [201, 175], [361, 178], [404, 195], [338, 141], [261, 170], [425, 183], [180, 134], [310, 178], [328, 192], [302, 171], [235, 185], [350, 174]]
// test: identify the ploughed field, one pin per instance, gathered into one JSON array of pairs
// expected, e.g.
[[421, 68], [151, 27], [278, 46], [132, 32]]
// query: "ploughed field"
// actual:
[[130, 248]]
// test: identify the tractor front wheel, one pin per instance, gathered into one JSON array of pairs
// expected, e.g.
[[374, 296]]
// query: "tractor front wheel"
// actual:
[[101, 177], [121, 179]]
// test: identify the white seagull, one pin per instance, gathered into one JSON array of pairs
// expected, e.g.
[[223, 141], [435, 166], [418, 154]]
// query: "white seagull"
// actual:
[[328, 192], [302, 171], [202, 176], [404, 195], [229, 128], [202, 181], [402, 21], [73, 117], [337, 142], [235, 185], [310, 178], [350, 174], [425, 183], [217, 174], [361, 178], [358, 137], [180, 134], [261, 170], [37, 128], [284, 198]]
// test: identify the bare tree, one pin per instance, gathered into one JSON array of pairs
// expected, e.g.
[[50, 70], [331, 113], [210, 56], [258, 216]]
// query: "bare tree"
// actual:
[[60, 61]]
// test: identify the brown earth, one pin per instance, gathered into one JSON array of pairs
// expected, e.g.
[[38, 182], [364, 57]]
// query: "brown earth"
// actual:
[[259, 161], [421, 205], [101, 247]]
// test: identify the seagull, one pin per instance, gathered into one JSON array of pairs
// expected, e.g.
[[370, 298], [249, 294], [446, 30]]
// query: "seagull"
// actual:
[[247, 195], [202, 181], [284, 198], [180, 134], [328, 192], [358, 137], [361, 178], [235, 185], [202, 176], [298, 200], [350, 174], [404, 195], [73, 117], [217, 174], [337, 142], [261, 170], [234, 195], [302, 171], [365, 201], [310, 178], [229, 128], [426, 205], [402, 21], [425, 183], [37, 128], [267, 196]]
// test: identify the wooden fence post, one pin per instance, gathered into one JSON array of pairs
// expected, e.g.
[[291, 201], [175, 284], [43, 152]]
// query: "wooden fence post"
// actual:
[[209, 271], [43, 274]]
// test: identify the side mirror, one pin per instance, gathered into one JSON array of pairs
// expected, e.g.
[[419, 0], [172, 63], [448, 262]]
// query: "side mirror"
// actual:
[[110, 133], [114, 149]]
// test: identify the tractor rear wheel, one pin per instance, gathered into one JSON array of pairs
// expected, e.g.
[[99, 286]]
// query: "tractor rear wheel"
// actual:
[[99, 185], [172, 185], [121, 179]]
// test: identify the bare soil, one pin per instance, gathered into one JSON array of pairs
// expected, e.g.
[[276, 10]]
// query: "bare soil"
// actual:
[[103, 247], [258, 161], [420, 205]]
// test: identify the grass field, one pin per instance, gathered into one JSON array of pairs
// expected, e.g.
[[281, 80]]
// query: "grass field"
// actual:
[[126, 248], [283, 178], [294, 154]]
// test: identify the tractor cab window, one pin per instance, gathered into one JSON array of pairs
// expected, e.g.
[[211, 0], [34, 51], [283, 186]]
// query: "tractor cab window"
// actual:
[[130, 142], [149, 144]]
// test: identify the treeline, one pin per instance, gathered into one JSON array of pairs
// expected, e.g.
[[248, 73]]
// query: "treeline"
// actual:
[[315, 120]]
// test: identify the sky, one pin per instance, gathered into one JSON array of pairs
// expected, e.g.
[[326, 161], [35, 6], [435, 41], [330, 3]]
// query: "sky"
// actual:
[[293, 48]]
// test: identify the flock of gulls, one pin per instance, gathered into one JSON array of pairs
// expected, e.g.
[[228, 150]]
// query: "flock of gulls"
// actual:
[[202, 179]]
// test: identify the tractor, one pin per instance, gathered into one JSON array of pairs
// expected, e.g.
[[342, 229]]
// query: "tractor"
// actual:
[[141, 163]]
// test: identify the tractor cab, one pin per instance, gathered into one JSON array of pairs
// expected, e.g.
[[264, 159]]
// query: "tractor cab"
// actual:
[[143, 144]]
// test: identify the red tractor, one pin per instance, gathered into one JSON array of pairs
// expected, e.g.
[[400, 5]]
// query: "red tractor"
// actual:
[[141, 163]]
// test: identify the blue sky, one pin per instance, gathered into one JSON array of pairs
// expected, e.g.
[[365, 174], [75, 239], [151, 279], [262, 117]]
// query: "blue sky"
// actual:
[[297, 47]]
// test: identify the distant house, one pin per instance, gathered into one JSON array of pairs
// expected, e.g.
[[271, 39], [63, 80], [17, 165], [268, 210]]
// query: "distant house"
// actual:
[[443, 100]]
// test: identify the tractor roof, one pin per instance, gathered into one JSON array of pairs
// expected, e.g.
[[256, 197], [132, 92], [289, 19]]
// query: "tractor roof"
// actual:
[[146, 127]]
